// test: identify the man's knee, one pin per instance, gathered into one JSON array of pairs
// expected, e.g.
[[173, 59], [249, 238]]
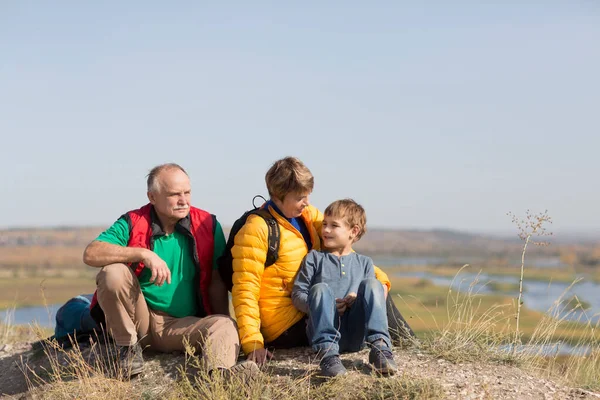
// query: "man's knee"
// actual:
[[113, 277], [223, 325]]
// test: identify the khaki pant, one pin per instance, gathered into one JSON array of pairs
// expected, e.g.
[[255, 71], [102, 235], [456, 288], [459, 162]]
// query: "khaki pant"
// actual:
[[129, 320]]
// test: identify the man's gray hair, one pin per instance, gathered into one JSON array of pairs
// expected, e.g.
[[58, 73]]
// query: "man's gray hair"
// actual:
[[152, 182]]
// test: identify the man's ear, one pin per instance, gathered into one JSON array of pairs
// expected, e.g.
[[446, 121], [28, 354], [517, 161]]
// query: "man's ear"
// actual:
[[150, 197]]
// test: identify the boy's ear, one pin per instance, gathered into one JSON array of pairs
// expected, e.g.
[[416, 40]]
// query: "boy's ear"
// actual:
[[355, 231]]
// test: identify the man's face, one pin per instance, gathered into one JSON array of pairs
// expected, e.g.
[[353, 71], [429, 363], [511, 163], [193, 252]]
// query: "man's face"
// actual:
[[171, 198]]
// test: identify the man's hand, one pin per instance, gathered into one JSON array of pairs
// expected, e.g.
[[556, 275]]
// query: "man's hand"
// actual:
[[349, 299], [160, 271], [260, 356], [341, 305]]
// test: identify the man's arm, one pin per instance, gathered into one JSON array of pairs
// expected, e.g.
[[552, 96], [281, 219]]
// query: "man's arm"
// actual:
[[98, 254], [217, 293], [110, 247]]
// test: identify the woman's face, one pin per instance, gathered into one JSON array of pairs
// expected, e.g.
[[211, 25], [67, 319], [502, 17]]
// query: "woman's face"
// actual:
[[293, 204]]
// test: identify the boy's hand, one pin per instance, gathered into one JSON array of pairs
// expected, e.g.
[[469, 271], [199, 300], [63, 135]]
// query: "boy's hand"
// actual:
[[349, 299], [341, 305]]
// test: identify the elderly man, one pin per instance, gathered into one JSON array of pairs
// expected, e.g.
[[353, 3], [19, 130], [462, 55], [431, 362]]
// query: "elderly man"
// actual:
[[157, 286]]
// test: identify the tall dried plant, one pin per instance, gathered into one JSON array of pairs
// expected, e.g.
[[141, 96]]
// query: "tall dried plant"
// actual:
[[532, 226]]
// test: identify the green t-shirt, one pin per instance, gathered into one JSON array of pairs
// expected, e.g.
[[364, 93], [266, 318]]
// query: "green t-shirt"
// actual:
[[178, 298]]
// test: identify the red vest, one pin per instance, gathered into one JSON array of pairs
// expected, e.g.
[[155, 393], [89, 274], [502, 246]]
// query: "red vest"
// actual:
[[198, 226]]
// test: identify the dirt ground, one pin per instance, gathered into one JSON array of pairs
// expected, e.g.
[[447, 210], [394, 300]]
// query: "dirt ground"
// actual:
[[458, 381]]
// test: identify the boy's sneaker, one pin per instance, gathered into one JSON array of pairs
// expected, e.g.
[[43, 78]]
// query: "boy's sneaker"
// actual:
[[382, 359], [131, 362], [332, 366]]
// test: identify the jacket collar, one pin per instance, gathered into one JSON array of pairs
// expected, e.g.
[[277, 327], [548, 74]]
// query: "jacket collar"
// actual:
[[184, 225]]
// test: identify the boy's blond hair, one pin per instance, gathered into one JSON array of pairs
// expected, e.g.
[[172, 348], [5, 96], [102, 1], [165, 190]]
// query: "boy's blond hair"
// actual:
[[351, 212], [288, 175]]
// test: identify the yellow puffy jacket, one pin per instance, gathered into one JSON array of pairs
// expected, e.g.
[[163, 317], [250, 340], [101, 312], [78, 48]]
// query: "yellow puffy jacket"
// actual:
[[262, 296]]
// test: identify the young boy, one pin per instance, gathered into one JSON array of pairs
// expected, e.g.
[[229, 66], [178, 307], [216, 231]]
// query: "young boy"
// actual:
[[338, 290]]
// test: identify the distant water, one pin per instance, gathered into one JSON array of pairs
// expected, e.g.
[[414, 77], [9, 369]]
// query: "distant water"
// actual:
[[537, 295], [391, 261], [42, 315]]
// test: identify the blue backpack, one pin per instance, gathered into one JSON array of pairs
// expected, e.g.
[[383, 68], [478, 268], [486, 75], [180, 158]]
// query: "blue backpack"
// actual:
[[73, 320]]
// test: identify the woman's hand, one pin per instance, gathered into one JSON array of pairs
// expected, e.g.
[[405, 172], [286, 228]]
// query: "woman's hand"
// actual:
[[260, 356]]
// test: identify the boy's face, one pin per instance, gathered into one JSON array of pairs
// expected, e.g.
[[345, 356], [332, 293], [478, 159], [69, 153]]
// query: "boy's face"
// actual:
[[337, 233]]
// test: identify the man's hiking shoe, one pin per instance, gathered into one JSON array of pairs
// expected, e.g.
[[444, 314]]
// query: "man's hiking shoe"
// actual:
[[382, 359], [332, 366], [131, 362]]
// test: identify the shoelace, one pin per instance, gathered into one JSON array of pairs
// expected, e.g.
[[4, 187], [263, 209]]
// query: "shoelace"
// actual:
[[332, 361], [386, 353]]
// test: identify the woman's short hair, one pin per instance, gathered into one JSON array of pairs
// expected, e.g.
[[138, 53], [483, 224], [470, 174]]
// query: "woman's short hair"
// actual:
[[288, 175], [350, 212]]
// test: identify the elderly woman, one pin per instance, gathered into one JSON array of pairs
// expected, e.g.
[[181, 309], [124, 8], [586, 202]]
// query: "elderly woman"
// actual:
[[261, 295]]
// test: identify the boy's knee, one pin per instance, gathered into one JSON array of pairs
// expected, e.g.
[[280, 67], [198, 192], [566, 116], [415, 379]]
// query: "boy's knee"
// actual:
[[370, 284], [318, 291]]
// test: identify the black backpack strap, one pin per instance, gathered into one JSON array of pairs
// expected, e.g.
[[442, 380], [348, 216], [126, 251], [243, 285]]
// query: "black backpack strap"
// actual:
[[273, 239]]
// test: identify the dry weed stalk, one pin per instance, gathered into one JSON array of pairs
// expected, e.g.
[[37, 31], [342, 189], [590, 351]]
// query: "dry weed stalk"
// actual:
[[529, 227]]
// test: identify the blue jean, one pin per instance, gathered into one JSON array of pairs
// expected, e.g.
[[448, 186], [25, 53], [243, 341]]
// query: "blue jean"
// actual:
[[366, 321]]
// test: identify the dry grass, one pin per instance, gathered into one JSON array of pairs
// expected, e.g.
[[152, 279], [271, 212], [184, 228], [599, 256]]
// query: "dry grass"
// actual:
[[475, 331], [582, 365], [471, 331], [92, 375], [199, 385], [75, 374], [7, 328]]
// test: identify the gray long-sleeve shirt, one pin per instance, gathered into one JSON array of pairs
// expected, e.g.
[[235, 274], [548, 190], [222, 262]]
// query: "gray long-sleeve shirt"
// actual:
[[342, 274]]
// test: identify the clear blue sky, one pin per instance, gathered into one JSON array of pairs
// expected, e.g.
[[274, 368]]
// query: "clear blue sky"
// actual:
[[440, 117]]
